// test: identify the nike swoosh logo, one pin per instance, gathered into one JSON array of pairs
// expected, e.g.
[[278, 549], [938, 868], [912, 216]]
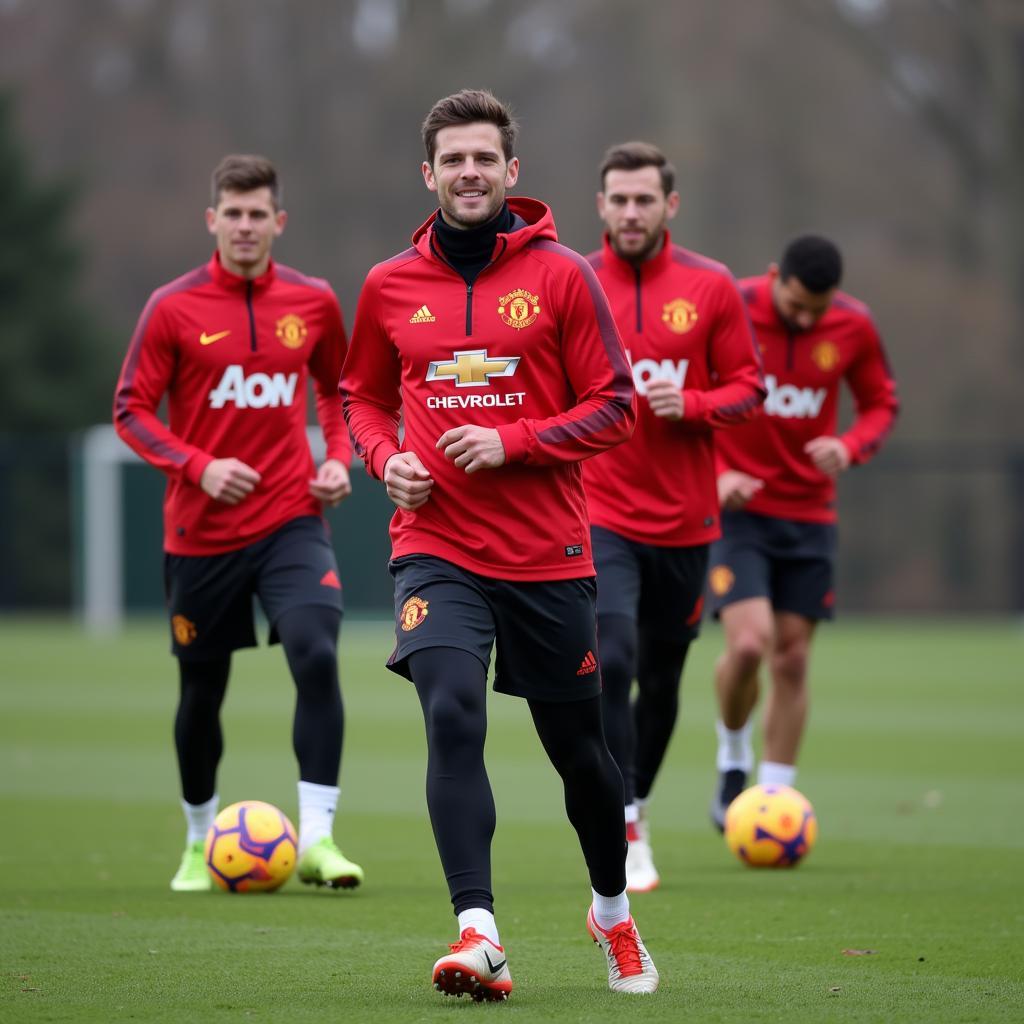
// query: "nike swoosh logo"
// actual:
[[494, 967], [209, 339]]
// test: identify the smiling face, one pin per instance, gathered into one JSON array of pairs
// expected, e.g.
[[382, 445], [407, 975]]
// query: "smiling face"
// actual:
[[469, 173], [245, 225], [635, 210]]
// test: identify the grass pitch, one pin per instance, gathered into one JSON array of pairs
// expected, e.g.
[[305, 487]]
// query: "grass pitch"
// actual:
[[909, 909]]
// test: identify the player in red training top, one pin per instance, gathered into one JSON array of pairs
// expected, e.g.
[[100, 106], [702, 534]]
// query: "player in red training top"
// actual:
[[497, 347], [232, 345], [771, 573], [653, 502]]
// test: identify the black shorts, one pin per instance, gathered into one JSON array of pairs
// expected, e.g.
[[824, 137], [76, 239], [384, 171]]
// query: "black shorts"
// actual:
[[657, 587], [789, 562], [210, 597], [545, 631]]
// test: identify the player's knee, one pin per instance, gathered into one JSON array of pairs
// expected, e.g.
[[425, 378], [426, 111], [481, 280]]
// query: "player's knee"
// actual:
[[452, 720], [789, 666], [747, 648], [617, 651], [582, 761]]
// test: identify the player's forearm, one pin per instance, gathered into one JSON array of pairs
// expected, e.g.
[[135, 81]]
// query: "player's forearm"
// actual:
[[583, 431], [731, 403], [868, 433]]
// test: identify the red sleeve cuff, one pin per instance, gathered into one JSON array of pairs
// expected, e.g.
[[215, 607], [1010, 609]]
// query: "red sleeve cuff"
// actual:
[[513, 440], [196, 466], [379, 458], [693, 406]]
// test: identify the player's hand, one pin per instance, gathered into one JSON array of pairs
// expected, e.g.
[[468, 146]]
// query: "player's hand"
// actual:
[[665, 399], [829, 454], [331, 483], [229, 480], [407, 480], [471, 448], [735, 489]]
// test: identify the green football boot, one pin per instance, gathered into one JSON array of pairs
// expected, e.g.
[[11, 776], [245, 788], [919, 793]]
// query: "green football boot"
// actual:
[[324, 864], [192, 875]]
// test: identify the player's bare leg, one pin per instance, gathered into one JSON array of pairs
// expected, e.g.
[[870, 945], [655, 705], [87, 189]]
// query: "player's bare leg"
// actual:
[[785, 710], [749, 632]]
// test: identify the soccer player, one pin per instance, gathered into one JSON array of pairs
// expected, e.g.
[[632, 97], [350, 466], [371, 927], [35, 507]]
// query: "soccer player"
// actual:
[[653, 502], [232, 344], [496, 345], [771, 574]]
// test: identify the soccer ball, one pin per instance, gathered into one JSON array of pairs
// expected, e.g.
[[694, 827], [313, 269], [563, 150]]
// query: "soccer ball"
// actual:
[[770, 826], [251, 847]]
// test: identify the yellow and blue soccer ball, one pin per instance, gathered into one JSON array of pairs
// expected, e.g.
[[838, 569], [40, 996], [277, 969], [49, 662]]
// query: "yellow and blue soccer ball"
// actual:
[[251, 847], [771, 826]]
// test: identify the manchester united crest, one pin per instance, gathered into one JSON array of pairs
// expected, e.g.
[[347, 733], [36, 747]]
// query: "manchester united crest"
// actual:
[[413, 612], [679, 315], [291, 331], [721, 578], [184, 630], [519, 308], [825, 355]]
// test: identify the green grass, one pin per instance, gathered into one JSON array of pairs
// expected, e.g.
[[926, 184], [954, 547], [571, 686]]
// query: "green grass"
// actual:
[[913, 761]]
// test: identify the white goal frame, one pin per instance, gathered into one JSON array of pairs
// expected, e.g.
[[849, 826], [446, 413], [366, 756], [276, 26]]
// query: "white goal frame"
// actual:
[[100, 599]]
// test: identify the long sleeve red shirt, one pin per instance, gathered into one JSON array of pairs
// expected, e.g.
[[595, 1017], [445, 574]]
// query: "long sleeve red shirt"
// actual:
[[803, 371], [531, 350], [233, 357], [682, 319]]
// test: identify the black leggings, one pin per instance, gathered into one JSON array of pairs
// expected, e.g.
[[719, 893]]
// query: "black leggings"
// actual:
[[452, 688], [309, 636], [639, 732]]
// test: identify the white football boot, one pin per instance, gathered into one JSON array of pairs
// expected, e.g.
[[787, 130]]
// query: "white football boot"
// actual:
[[474, 965], [630, 967]]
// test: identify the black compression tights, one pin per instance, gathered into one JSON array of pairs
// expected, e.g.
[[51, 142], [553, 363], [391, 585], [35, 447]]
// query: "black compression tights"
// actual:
[[309, 636], [452, 688], [639, 733], [197, 736]]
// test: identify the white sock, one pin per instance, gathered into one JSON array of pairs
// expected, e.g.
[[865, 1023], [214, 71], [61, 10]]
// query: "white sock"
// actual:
[[316, 813], [482, 920], [632, 814], [774, 773], [199, 819], [610, 910], [734, 748]]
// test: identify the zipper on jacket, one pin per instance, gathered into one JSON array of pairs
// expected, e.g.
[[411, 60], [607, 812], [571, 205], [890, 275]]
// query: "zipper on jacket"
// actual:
[[252, 316], [639, 298], [469, 310]]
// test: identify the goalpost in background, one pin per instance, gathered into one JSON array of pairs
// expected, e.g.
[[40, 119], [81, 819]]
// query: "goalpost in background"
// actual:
[[118, 533]]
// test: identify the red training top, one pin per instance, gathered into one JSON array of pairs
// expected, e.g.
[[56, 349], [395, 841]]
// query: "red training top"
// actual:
[[803, 370], [682, 319], [529, 349], [233, 356]]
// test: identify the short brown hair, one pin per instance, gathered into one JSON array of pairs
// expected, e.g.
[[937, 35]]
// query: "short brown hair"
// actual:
[[631, 156], [243, 172], [466, 107]]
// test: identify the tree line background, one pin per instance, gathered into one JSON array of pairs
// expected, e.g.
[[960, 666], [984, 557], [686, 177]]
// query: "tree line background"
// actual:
[[895, 127]]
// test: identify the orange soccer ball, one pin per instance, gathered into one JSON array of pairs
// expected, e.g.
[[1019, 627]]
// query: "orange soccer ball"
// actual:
[[771, 826], [251, 847]]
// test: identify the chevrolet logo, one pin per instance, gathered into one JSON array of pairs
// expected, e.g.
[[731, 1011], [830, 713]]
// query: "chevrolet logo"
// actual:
[[472, 369]]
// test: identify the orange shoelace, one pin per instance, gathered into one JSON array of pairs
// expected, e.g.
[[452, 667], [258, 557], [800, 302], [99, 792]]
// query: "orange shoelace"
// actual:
[[469, 940], [622, 939]]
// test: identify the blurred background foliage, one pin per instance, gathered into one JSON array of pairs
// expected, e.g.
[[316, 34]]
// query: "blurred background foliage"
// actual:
[[894, 126]]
